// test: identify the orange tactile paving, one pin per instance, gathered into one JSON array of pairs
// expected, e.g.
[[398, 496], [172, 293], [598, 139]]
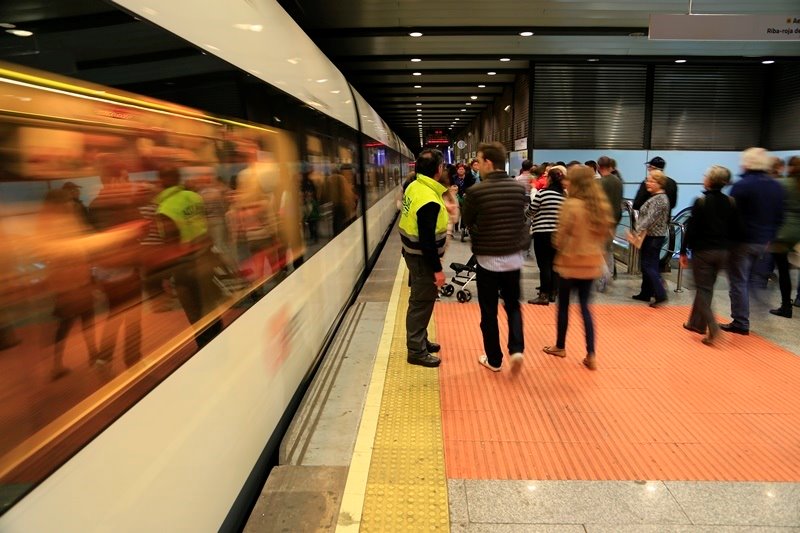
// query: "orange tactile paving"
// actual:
[[660, 406]]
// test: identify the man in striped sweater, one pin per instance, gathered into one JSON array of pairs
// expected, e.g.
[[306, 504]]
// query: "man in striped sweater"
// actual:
[[494, 212]]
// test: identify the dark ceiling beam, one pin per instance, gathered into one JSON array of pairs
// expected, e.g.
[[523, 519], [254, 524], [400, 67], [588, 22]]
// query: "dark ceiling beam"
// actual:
[[455, 71], [112, 17], [490, 84], [474, 31]]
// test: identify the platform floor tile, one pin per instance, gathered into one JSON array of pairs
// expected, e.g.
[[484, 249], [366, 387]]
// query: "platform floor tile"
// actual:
[[406, 487], [661, 406]]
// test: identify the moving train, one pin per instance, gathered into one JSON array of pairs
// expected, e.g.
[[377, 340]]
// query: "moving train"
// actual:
[[152, 350]]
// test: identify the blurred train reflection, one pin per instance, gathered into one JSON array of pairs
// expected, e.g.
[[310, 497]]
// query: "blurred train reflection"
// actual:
[[134, 231]]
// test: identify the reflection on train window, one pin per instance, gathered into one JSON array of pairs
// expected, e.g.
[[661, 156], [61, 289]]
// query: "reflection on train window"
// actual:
[[133, 234]]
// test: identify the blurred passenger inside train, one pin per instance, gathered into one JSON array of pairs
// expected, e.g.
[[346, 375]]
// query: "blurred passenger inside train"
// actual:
[[760, 198], [61, 235], [117, 270], [204, 181], [543, 212], [311, 213], [186, 252], [653, 222], [711, 231], [342, 194], [788, 236], [74, 191], [525, 178], [584, 226]]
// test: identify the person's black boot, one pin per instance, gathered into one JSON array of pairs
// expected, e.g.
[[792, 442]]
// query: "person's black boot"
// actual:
[[785, 310]]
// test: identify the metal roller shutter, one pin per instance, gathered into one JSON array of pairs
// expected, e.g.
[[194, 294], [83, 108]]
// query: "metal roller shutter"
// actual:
[[784, 131], [706, 107], [589, 106]]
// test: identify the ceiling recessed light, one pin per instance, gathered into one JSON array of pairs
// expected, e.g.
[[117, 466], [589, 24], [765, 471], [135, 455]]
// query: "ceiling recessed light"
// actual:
[[415, 34], [415, 60], [417, 73], [592, 60], [680, 61], [419, 103], [481, 86], [468, 103], [504, 59], [7, 25], [526, 33], [418, 86], [768, 62], [473, 97], [463, 110], [455, 119], [21, 33], [491, 73]]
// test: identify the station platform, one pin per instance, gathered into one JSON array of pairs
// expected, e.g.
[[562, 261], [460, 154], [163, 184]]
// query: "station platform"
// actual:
[[667, 435]]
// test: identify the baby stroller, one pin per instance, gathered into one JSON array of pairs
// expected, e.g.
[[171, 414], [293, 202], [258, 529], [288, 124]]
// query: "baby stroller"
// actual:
[[464, 275]]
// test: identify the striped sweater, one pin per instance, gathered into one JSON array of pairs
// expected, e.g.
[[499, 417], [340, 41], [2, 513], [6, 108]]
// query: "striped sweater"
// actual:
[[543, 210]]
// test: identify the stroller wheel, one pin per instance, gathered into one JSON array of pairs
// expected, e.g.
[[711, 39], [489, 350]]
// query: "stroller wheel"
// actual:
[[461, 296], [448, 290], [467, 295]]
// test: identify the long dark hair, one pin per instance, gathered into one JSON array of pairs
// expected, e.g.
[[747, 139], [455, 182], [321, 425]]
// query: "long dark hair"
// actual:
[[554, 178]]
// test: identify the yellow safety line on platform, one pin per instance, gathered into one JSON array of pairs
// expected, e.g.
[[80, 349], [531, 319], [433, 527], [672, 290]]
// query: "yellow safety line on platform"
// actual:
[[397, 479]]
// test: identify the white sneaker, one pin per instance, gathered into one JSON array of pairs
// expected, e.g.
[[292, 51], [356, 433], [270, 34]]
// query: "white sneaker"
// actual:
[[515, 362], [483, 360]]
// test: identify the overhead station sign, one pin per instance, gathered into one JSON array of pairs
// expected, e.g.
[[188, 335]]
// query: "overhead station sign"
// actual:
[[725, 27]]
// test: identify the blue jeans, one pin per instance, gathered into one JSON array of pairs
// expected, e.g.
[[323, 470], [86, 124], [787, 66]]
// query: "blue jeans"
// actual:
[[743, 257], [507, 283], [651, 273], [584, 288]]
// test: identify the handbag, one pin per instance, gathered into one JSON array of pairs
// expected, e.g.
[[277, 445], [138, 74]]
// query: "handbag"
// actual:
[[635, 239]]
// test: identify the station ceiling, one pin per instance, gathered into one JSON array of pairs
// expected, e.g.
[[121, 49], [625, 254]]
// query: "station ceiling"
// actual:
[[462, 42]]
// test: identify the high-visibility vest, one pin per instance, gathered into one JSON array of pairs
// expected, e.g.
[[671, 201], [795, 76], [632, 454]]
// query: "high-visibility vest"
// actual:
[[419, 192], [185, 209]]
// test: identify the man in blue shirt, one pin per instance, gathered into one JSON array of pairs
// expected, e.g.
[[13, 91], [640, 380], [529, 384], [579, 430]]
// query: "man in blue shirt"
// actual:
[[760, 199]]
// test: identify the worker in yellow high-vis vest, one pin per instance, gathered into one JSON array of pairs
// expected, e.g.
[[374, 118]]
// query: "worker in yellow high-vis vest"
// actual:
[[423, 231], [181, 220]]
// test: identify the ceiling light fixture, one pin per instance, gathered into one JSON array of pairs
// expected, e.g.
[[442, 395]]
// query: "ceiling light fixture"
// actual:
[[526, 33], [473, 97], [415, 34], [592, 60], [468, 103], [680, 61], [463, 110], [417, 73], [418, 86], [481, 86], [491, 73], [504, 59], [419, 103], [768, 62], [7, 25], [20, 33], [415, 60]]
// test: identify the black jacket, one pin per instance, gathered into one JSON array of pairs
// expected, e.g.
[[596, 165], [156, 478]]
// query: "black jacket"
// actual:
[[494, 212]]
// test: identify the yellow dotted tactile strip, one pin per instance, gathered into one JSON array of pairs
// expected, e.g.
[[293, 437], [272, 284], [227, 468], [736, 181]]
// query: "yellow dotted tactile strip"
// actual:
[[397, 479]]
